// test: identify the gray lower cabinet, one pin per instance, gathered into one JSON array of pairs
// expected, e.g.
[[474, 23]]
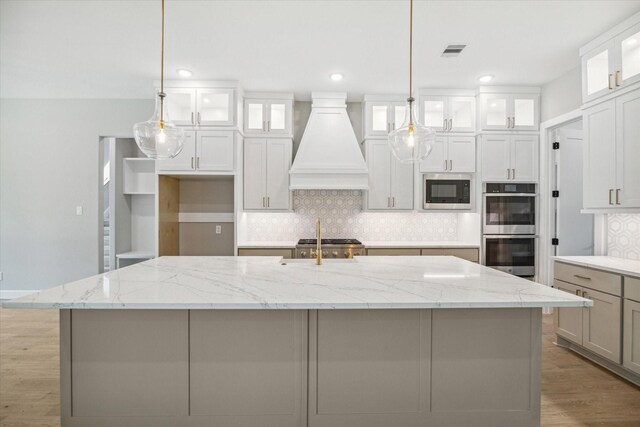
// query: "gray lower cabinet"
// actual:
[[470, 254], [282, 252], [595, 328], [631, 356]]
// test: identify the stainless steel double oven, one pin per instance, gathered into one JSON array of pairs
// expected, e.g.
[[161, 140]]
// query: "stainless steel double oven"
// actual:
[[509, 240]]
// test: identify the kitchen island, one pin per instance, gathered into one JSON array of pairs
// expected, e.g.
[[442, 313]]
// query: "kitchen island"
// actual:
[[262, 341]]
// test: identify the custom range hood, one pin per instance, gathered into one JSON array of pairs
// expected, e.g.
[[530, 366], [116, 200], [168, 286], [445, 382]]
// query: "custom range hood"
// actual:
[[329, 156]]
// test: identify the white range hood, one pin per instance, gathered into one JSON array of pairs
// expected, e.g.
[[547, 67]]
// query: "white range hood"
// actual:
[[329, 156]]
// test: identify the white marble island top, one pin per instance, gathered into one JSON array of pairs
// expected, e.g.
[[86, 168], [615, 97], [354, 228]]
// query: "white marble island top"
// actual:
[[273, 283], [616, 265]]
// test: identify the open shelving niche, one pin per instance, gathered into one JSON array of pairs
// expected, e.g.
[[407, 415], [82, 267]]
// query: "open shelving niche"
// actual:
[[190, 211]]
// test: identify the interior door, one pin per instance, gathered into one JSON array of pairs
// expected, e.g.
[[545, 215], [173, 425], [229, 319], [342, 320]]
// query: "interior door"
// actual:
[[496, 158], [401, 184], [215, 151], [379, 166], [462, 153], [573, 229], [601, 324], [255, 175], [569, 320], [278, 165], [180, 103], [524, 158], [437, 160], [628, 150], [215, 107], [600, 155], [185, 160], [598, 71]]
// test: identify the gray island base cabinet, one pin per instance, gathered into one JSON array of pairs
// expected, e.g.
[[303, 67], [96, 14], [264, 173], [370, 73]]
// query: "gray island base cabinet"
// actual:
[[368, 368], [256, 341]]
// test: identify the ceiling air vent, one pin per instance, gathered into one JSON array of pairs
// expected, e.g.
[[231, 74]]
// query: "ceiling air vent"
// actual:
[[453, 50]]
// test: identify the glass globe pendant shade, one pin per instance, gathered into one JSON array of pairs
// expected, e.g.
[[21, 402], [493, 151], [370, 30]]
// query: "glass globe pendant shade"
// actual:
[[158, 137], [412, 142]]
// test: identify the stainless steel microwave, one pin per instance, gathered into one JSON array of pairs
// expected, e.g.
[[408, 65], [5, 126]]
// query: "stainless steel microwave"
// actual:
[[447, 191]]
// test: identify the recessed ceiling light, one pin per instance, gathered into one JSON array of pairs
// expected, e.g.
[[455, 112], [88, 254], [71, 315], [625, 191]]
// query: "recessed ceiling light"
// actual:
[[336, 77], [184, 72], [631, 42], [485, 79], [494, 105]]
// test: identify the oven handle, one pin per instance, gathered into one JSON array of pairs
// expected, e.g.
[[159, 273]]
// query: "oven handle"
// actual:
[[510, 236], [510, 194]]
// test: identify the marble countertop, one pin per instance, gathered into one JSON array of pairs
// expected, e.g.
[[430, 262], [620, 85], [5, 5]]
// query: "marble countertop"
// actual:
[[273, 283], [609, 263]]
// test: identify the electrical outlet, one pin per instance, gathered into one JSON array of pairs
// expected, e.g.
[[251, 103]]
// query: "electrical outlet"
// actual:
[[218, 229]]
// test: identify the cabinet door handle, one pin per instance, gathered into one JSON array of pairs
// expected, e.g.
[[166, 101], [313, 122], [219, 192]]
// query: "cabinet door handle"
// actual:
[[268, 125], [585, 294], [450, 124], [444, 124], [508, 174], [611, 196], [617, 196], [198, 117], [513, 122], [393, 202], [582, 277], [264, 202], [192, 118], [198, 162], [610, 86], [268, 201], [578, 292], [617, 79], [192, 167], [445, 165], [388, 202], [508, 122], [513, 174], [450, 165]]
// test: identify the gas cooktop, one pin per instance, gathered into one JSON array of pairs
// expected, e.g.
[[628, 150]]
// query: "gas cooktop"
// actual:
[[330, 242]]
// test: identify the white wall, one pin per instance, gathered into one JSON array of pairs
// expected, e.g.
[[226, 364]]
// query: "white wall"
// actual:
[[49, 164], [561, 95]]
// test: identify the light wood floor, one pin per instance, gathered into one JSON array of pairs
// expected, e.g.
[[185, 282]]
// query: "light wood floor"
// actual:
[[575, 392]]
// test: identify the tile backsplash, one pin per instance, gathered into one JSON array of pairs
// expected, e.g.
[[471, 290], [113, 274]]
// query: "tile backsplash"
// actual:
[[624, 236], [341, 216]]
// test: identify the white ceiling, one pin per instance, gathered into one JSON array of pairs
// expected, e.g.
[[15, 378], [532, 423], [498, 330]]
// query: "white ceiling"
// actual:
[[110, 49]]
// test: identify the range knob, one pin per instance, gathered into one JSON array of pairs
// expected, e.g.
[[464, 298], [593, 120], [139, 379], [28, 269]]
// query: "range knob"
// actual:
[[334, 254], [312, 254], [325, 254], [356, 253], [346, 254], [303, 254]]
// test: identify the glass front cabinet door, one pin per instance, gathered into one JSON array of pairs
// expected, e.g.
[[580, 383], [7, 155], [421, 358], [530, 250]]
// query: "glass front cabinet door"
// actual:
[[449, 113], [510, 111], [268, 116], [598, 71], [628, 71], [214, 107], [382, 117], [181, 106]]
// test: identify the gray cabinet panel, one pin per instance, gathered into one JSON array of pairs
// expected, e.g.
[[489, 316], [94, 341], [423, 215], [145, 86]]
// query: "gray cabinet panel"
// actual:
[[601, 325], [368, 367], [282, 252], [393, 252], [248, 367], [594, 279], [632, 288], [631, 343], [569, 320], [149, 361]]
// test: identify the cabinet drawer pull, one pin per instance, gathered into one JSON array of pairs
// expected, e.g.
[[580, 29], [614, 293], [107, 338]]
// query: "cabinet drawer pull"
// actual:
[[578, 292], [611, 196], [610, 86], [617, 79], [582, 277], [585, 294], [617, 196]]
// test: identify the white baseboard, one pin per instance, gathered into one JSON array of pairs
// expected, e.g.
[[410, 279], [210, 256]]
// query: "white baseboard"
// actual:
[[10, 294]]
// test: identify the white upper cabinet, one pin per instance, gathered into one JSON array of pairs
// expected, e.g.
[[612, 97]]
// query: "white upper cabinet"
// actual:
[[390, 181], [201, 106], [451, 154], [612, 150], [266, 173], [267, 116], [510, 158], [449, 113], [612, 62], [509, 111], [206, 151], [382, 115]]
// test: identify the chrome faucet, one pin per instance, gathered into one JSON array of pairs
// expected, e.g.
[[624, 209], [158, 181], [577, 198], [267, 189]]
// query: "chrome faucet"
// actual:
[[318, 243]]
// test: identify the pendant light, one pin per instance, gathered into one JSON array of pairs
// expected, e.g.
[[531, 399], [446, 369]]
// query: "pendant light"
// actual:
[[411, 142], [158, 137]]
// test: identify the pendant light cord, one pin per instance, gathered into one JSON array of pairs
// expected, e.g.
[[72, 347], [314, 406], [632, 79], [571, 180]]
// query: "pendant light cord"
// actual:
[[162, 94], [410, 99]]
